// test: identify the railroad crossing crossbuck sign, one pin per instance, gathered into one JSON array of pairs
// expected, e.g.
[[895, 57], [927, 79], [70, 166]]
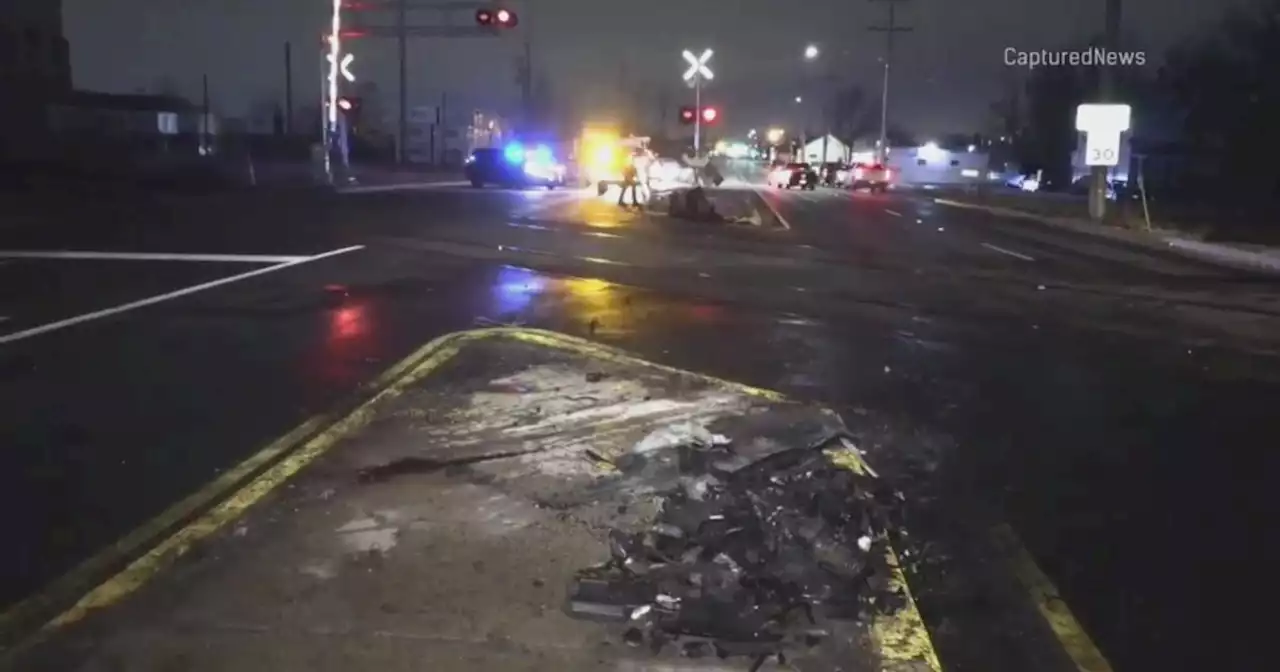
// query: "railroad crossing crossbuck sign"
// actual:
[[344, 66], [1102, 126], [697, 66]]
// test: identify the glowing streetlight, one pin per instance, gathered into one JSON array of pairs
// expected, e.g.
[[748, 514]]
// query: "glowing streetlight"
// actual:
[[775, 135], [810, 52], [799, 99]]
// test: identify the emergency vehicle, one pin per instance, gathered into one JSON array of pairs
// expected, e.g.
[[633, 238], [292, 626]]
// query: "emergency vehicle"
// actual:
[[602, 154]]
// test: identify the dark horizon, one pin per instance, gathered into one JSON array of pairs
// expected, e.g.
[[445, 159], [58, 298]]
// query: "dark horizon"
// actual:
[[947, 71]]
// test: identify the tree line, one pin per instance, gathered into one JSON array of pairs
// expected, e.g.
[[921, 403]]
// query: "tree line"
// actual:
[[1212, 103]]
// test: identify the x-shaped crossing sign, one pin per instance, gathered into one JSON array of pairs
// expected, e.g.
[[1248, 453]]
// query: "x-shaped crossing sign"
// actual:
[[697, 65], [344, 66]]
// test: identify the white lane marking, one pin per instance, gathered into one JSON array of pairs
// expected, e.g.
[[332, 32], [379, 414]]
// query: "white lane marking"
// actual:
[[1011, 253], [549, 201], [895, 213], [414, 186], [776, 215], [149, 256], [152, 300]]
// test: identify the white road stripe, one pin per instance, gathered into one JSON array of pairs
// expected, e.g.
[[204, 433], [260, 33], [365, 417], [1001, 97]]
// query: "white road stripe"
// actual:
[[777, 215], [150, 256], [414, 186], [548, 201], [149, 301], [1011, 253], [895, 213]]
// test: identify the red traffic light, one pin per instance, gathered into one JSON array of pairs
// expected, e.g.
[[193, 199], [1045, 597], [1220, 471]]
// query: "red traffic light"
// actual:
[[687, 115], [710, 114], [504, 18]]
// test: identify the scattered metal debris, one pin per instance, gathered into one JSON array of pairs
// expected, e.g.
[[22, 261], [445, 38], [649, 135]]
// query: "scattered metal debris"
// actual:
[[747, 557]]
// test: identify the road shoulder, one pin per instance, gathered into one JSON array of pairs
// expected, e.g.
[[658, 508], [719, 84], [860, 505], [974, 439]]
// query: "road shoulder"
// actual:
[[1252, 258]]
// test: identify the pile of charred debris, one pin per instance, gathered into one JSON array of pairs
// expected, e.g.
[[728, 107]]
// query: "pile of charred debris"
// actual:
[[747, 557]]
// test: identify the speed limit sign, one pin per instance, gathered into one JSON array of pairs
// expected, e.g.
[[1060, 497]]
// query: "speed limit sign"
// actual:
[[1102, 149], [1102, 125]]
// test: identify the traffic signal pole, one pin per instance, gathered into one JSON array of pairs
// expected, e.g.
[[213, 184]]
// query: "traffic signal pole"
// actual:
[[488, 19]]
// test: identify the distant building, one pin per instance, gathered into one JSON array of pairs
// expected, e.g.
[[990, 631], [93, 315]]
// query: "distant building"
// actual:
[[932, 164], [35, 67], [837, 152]]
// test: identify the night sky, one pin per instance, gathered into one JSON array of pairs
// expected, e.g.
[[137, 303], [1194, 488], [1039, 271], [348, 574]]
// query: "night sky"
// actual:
[[946, 72]]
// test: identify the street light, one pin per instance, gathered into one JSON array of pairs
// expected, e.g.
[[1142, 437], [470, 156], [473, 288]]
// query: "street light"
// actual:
[[775, 135], [799, 100], [810, 52]]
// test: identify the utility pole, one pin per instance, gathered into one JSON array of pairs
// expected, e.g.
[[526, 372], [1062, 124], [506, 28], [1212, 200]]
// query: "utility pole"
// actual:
[[204, 114], [664, 101], [526, 82], [288, 89], [889, 29], [402, 49], [1106, 86]]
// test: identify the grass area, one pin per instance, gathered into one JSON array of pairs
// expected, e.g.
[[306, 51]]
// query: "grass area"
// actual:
[[1209, 222]]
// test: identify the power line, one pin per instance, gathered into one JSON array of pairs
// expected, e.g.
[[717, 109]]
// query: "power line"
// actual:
[[890, 29]]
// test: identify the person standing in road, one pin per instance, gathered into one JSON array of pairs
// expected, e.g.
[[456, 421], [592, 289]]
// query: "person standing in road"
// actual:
[[630, 180]]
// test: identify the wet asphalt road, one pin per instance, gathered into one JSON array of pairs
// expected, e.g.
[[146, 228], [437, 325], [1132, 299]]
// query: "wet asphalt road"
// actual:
[[1115, 408]]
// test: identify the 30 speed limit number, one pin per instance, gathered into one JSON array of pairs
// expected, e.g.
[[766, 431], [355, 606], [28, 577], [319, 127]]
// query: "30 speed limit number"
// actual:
[[1102, 149]]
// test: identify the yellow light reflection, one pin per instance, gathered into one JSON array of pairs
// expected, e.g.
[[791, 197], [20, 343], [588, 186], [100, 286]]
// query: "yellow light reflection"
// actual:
[[597, 301]]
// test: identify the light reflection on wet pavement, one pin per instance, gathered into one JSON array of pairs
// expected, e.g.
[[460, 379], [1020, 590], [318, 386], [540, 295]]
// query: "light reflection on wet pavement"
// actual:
[[1052, 402]]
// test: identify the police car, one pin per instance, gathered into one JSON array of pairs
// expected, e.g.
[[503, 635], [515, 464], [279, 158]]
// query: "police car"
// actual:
[[514, 166]]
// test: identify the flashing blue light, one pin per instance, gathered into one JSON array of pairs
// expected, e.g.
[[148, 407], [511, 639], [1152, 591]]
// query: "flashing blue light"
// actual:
[[514, 153]]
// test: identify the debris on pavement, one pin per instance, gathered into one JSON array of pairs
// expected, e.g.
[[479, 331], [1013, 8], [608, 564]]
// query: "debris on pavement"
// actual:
[[688, 433], [693, 204], [756, 557]]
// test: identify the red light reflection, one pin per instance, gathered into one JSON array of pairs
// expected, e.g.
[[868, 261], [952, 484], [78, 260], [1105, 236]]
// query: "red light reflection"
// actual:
[[707, 313], [348, 323]]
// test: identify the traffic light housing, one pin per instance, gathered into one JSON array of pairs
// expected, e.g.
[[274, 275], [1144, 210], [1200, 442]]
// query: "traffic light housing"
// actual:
[[688, 114], [710, 115], [496, 18]]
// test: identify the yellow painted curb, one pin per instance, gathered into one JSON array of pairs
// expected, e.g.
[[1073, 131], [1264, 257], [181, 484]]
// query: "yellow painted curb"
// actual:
[[900, 638]]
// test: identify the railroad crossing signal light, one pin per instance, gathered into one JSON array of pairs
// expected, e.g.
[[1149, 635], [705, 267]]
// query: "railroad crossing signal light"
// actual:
[[687, 115], [710, 115], [496, 18], [350, 107]]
